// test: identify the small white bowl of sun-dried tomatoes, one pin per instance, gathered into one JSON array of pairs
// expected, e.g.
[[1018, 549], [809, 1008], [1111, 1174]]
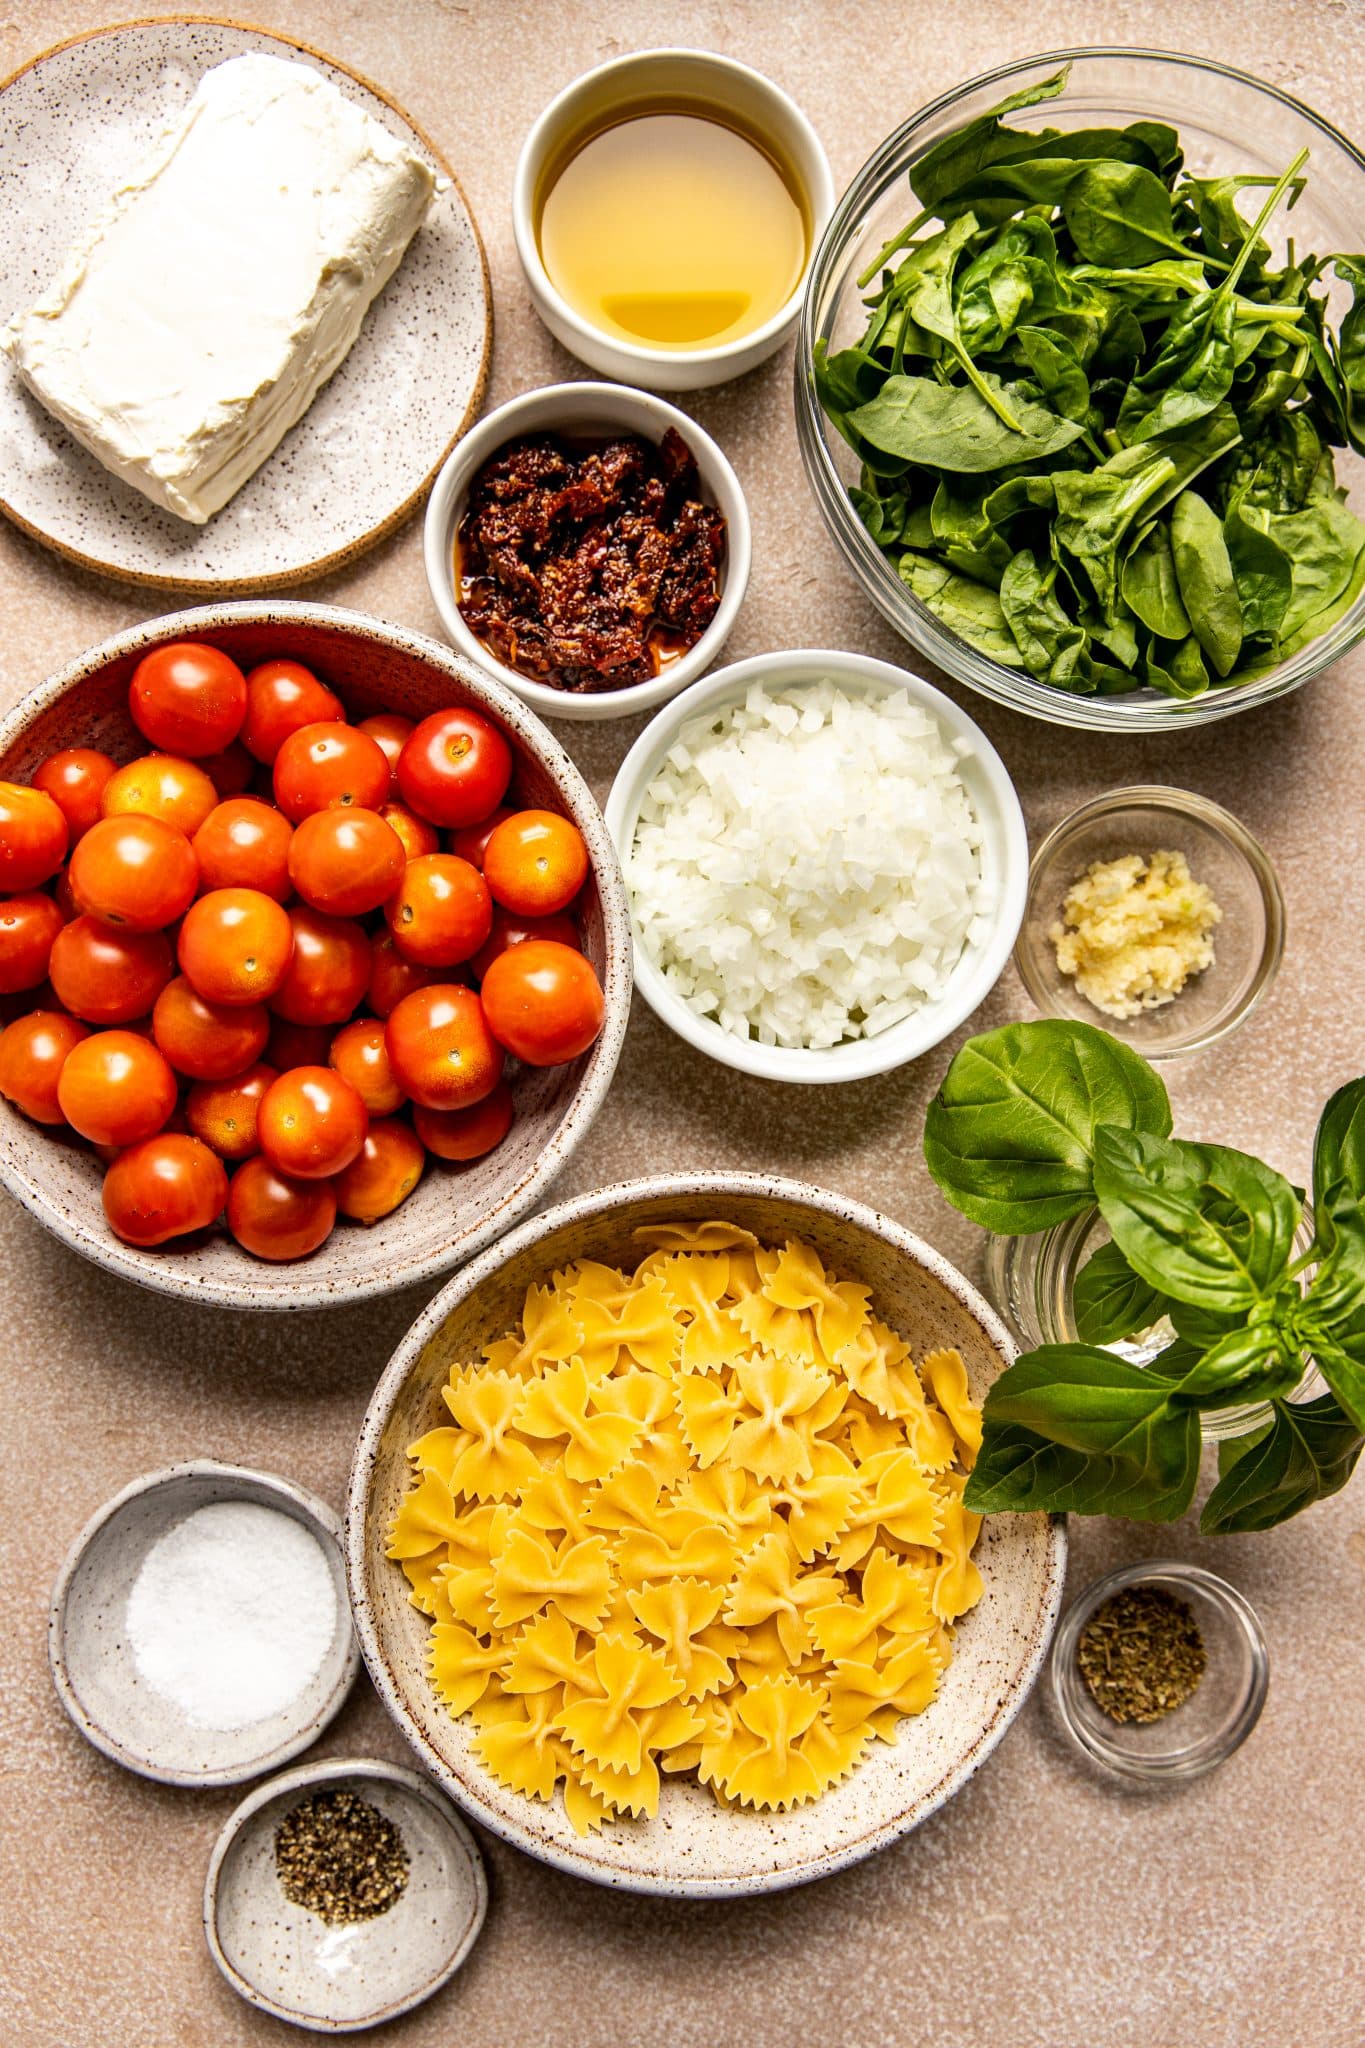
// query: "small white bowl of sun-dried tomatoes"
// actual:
[[589, 545]]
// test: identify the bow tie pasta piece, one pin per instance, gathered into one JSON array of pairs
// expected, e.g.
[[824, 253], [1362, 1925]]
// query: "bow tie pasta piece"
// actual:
[[704, 1517]]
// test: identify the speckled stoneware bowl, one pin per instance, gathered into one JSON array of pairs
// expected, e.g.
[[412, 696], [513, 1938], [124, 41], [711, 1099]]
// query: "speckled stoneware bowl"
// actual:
[[335, 1980], [73, 122], [694, 1847], [92, 1662], [456, 1210]]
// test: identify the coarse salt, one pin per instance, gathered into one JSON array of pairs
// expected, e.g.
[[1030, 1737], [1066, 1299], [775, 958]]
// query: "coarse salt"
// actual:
[[231, 1613], [806, 866]]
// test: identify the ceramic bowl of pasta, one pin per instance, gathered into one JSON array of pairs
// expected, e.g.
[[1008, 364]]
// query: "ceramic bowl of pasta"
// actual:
[[657, 1545], [454, 1210]]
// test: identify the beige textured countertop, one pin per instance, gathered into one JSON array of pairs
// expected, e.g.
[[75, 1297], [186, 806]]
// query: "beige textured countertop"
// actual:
[[1041, 1909]]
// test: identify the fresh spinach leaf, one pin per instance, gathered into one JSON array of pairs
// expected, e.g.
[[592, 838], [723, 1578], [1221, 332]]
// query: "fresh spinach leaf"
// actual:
[[1048, 640], [953, 427], [1306, 1452], [1011, 1135], [1150, 587], [1208, 588], [968, 608], [1072, 1429], [1119, 214], [1261, 571], [1205, 1224]]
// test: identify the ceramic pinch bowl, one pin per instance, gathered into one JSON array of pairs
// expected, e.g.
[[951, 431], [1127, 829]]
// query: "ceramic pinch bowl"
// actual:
[[285, 1960], [93, 1666]]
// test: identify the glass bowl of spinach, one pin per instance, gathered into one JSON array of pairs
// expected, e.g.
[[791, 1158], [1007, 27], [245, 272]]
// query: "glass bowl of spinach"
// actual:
[[1081, 387]]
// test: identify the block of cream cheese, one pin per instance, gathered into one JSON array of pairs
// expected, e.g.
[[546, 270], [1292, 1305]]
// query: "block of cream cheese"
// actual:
[[219, 289]]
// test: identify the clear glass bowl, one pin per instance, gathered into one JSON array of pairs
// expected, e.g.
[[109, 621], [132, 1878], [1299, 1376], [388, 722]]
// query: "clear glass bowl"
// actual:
[[1220, 1713], [1221, 853], [1228, 123]]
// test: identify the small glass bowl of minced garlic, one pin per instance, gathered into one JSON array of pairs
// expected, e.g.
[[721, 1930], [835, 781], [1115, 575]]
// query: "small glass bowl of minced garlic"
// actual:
[[1154, 914], [1159, 1671]]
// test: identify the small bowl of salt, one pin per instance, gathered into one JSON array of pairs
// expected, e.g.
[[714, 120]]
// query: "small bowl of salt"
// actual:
[[199, 1631]]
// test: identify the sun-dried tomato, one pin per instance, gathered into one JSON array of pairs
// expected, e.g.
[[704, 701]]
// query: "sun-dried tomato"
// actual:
[[588, 566]]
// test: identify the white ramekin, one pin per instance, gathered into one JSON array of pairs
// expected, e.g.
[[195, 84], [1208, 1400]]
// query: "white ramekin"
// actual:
[[1004, 863], [586, 409], [687, 75]]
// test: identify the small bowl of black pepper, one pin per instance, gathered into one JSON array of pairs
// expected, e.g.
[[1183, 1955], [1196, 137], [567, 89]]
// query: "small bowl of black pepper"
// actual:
[[343, 1893], [1159, 1671]]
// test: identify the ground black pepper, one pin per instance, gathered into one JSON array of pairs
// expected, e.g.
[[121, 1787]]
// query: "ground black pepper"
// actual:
[[339, 1857], [1141, 1654]]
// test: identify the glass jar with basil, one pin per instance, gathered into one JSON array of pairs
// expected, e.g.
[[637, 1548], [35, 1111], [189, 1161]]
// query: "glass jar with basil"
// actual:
[[1056, 1137]]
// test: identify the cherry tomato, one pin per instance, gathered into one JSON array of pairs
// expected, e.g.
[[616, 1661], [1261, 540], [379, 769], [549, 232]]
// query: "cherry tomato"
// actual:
[[347, 862], [134, 872], [163, 1188], [543, 1002], [391, 976], [189, 698], [207, 1041], [33, 837], [28, 925], [33, 1051], [297, 1045], [224, 1113], [470, 843], [361, 1056], [416, 835], [390, 733], [75, 780], [441, 912], [161, 786], [105, 975], [329, 971], [231, 771], [535, 863], [385, 1172], [511, 930], [116, 1088], [62, 896], [276, 1217], [441, 1049], [465, 1134], [235, 946], [312, 1123], [455, 768], [282, 696], [244, 844], [329, 767]]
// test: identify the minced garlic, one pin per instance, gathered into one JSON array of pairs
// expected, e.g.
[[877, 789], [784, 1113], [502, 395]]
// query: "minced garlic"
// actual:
[[1134, 930]]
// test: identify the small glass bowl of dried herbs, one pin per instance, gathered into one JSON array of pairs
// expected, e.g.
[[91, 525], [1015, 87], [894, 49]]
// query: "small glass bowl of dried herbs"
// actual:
[[1159, 1671]]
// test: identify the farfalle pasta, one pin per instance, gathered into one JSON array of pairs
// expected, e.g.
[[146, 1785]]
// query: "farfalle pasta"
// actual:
[[705, 1518]]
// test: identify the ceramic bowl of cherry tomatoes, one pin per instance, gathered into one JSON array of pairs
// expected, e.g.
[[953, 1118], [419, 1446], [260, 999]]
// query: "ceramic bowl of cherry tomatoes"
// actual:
[[314, 956]]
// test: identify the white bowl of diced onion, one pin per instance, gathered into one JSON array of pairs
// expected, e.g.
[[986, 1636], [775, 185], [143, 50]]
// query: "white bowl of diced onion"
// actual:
[[826, 862]]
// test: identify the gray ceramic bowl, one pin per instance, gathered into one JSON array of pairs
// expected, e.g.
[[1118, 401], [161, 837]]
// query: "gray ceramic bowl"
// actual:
[[92, 1664], [337, 1980], [455, 1211], [694, 1847]]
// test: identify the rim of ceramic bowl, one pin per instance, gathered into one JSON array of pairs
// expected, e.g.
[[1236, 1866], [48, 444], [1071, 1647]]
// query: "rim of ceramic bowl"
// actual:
[[372, 1770], [1184, 803], [540, 140], [537, 412], [1140, 711], [972, 978], [306, 1290], [311, 1508], [723, 1186]]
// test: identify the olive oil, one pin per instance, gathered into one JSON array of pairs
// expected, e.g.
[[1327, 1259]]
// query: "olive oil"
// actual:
[[671, 229]]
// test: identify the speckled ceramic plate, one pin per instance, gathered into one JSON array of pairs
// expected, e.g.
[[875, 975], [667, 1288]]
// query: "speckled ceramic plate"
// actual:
[[336, 1980], [93, 1667], [71, 122], [694, 1847]]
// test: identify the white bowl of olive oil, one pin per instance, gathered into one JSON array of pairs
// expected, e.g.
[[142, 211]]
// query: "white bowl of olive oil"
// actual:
[[666, 207]]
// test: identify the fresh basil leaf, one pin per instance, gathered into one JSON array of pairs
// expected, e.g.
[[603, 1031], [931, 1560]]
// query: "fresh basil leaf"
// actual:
[[1306, 1453], [1110, 1301], [1208, 588], [1331, 1316], [1203, 1223], [1248, 1364], [1010, 1137], [1072, 1429], [953, 427], [1339, 1156]]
